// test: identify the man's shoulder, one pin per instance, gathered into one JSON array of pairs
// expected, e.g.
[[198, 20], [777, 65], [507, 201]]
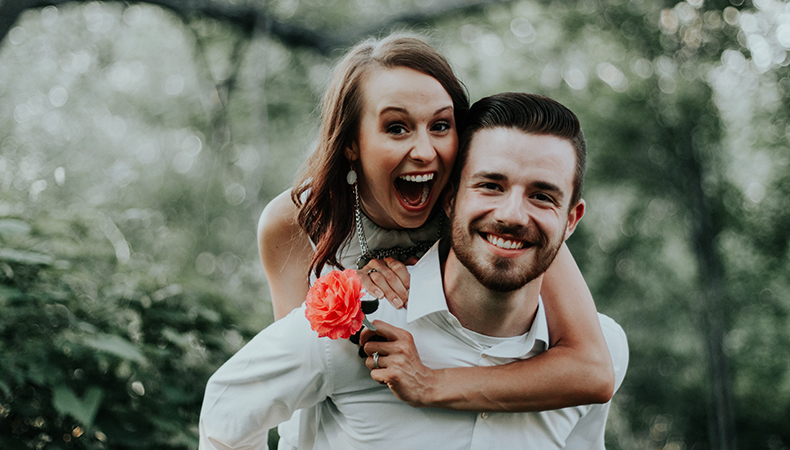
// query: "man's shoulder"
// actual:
[[339, 358], [617, 342]]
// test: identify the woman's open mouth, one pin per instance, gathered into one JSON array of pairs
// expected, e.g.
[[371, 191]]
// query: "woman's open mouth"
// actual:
[[415, 190]]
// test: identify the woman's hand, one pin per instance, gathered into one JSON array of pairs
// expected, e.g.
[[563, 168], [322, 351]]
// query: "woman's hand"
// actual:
[[388, 279], [399, 364]]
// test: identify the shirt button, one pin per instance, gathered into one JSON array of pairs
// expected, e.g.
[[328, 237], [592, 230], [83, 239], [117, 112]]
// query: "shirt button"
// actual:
[[484, 415]]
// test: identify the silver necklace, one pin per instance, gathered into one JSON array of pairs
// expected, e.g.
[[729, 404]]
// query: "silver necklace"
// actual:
[[399, 253]]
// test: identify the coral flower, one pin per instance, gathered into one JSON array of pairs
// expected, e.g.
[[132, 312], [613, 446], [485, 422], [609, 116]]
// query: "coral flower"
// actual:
[[333, 304]]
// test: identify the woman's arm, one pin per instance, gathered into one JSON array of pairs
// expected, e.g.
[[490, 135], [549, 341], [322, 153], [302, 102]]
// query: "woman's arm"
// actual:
[[582, 361], [576, 370], [285, 253]]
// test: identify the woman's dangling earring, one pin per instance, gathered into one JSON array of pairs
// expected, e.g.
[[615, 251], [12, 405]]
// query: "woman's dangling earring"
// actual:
[[364, 257], [351, 177]]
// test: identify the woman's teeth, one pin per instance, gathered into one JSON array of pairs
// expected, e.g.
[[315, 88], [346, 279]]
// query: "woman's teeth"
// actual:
[[426, 191], [417, 178], [506, 244]]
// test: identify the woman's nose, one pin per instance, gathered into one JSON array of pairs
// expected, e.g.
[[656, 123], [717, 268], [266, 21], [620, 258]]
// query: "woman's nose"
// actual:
[[422, 150]]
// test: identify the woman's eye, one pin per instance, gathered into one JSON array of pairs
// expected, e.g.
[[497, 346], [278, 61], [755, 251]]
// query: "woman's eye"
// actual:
[[396, 129], [440, 126]]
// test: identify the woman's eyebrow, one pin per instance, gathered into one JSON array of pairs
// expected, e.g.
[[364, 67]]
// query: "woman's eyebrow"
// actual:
[[400, 109], [441, 110], [396, 109]]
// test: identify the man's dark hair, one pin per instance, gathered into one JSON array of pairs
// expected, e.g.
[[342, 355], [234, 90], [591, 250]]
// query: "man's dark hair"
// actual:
[[530, 113]]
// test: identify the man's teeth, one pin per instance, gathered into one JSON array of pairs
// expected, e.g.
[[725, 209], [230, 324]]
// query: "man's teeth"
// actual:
[[506, 244], [417, 178]]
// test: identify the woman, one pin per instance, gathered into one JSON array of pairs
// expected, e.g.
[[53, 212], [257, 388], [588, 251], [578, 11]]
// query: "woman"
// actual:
[[387, 142]]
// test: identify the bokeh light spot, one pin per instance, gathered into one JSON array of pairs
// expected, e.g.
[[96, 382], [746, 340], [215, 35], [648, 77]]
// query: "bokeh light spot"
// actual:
[[205, 263], [138, 388], [235, 194], [58, 96], [17, 35], [174, 85]]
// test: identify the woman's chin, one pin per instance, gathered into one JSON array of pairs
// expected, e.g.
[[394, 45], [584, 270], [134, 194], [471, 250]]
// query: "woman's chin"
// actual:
[[413, 217]]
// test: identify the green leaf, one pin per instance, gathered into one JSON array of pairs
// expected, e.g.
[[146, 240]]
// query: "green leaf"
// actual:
[[116, 345], [13, 227], [22, 257], [66, 402], [10, 293]]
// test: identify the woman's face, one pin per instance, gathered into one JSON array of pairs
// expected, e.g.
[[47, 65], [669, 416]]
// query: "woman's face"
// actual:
[[405, 148]]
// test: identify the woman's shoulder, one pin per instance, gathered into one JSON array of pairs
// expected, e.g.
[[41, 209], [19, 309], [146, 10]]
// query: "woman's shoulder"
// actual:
[[278, 228], [279, 217]]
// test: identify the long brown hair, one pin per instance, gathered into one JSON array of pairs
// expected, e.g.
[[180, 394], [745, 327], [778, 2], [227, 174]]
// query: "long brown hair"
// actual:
[[324, 198]]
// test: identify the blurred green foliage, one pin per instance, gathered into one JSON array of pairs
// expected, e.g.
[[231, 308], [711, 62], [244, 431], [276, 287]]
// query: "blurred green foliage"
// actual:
[[95, 354], [137, 149]]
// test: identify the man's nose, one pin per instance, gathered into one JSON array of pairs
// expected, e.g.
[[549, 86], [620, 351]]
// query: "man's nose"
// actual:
[[512, 210]]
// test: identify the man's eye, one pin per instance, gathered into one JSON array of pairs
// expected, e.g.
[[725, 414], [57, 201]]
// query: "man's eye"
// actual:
[[396, 129], [543, 198], [490, 186]]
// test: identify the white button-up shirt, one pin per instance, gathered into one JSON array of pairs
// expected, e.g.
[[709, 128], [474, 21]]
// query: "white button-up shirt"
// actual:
[[287, 367]]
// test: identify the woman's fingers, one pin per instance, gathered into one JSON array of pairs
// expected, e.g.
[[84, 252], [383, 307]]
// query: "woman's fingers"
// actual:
[[397, 364], [386, 278], [399, 269]]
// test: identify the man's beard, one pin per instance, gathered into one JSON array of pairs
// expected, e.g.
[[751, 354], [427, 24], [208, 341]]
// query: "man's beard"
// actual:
[[502, 274]]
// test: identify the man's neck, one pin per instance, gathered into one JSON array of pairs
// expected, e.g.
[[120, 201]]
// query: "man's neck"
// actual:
[[479, 309]]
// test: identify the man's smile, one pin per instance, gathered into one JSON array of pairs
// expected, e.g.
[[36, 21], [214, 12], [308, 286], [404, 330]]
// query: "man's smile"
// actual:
[[504, 243]]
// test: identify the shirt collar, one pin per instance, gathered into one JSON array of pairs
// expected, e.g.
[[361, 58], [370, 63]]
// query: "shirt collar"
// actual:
[[426, 290], [426, 296]]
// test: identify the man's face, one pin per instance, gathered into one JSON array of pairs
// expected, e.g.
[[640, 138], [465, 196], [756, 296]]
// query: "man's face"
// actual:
[[511, 213]]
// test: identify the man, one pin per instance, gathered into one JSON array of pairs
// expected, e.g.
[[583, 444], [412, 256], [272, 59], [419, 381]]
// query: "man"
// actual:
[[515, 199]]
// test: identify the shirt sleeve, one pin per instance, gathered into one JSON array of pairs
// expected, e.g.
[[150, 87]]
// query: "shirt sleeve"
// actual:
[[278, 372], [617, 342], [588, 434]]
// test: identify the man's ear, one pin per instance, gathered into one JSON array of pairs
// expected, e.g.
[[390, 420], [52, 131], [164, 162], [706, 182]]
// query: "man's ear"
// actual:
[[449, 200], [352, 152], [574, 216]]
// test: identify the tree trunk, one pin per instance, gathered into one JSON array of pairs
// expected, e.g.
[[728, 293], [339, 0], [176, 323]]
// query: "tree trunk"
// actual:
[[712, 315]]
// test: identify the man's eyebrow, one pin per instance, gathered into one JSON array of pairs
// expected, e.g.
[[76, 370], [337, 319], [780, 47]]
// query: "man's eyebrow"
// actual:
[[494, 176], [498, 176], [551, 187]]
